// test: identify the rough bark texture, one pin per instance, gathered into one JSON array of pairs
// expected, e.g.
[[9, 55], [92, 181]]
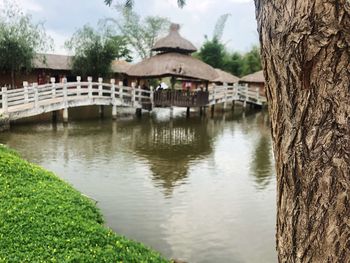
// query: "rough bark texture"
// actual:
[[306, 57]]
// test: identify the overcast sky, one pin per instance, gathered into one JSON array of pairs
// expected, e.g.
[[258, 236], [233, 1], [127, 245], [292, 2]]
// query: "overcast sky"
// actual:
[[197, 18]]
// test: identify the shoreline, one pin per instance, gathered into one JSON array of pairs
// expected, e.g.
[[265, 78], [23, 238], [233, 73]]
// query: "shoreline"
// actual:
[[44, 218]]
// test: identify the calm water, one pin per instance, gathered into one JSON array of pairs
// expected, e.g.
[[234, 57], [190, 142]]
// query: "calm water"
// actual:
[[198, 189]]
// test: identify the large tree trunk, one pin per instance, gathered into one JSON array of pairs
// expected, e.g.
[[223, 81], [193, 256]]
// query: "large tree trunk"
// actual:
[[305, 48]]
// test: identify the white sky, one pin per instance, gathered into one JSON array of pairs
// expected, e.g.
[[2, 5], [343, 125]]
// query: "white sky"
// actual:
[[197, 18]]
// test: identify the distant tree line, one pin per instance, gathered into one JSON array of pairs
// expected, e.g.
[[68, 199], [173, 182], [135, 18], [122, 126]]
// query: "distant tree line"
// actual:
[[214, 53]]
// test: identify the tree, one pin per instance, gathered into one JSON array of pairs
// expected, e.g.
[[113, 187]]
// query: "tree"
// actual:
[[94, 51], [305, 55], [141, 34], [233, 63], [212, 53], [251, 61], [20, 40], [306, 59]]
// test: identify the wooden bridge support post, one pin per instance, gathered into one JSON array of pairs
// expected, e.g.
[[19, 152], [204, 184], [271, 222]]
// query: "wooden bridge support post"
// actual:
[[200, 111], [101, 111], [171, 112], [138, 112], [212, 110], [54, 116], [100, 87], [90, 87], [188, 112], [4, 99], [233, 105], [65, 115], [78, 86], [114, 112]]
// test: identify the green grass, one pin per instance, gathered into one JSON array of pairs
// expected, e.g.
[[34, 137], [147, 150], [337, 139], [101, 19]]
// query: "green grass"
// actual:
[[43, 219]]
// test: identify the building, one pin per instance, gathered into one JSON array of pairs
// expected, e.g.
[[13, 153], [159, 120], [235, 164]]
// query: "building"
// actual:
[[255, 80]]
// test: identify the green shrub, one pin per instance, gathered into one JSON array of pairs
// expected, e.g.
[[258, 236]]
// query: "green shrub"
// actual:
[[43, 219]]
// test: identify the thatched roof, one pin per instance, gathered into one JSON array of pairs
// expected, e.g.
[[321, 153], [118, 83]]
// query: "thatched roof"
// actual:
[[63, 62], [174, 42], [257, 77], [51, 61], [225, 77], [120, 66], [173, 64]]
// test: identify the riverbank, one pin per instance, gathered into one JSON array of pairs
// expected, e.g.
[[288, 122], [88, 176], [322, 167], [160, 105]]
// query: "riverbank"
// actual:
[[44, 219]]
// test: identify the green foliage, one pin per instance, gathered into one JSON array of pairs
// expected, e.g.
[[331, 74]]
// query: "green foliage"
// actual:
[[43, 219], [213, 53], [251, 61], [20, 40], [140, 34], [94, 51]]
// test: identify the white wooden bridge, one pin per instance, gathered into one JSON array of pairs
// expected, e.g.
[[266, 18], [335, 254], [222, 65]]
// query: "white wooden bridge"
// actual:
[[36, 99]]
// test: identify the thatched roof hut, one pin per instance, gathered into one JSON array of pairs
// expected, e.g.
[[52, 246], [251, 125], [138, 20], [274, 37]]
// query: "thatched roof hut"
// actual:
[[225, 77], [174, 42], [174, 60], [257, 77]]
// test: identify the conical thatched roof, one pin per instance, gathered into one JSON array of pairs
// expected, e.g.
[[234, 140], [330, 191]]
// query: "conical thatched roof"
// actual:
[[225, 77], [174, 42], [51, 61], [257, 77], [173, 64]]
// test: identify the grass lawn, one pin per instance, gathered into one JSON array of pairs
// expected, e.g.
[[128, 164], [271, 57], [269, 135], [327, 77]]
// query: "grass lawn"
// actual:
[[43, 219]]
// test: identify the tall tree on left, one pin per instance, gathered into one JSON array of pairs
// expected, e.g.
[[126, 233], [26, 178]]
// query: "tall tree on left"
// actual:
[[20, 40]]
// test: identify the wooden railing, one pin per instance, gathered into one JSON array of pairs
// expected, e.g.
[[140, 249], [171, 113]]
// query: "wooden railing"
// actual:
[[180, 98], [225, 93], [33, 97]]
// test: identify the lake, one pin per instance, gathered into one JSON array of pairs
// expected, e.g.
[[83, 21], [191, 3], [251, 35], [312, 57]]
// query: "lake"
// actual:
[[200, 189]]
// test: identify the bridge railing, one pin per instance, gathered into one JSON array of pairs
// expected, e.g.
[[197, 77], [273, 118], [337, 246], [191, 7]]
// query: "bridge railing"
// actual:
[[34, 95], [225, 93]]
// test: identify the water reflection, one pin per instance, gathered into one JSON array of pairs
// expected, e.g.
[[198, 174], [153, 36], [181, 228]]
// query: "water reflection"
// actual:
[[170, 147], [261, 166]]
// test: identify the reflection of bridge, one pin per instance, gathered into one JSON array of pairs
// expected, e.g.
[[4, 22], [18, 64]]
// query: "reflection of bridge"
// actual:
[[34, 100]]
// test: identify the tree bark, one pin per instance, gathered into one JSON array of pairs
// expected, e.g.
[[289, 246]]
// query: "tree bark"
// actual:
[[305, 48]]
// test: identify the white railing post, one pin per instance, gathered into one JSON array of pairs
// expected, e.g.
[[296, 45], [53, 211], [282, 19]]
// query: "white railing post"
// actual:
[[36, 95], [90, 87], [151, 96], [121, 91], [65, 91], [225, 95], [214, 93], [133, 93], [53, 87], [4, 99], [257, 94], [100, 80], [25, 88], [78, 86], [113, 89]]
